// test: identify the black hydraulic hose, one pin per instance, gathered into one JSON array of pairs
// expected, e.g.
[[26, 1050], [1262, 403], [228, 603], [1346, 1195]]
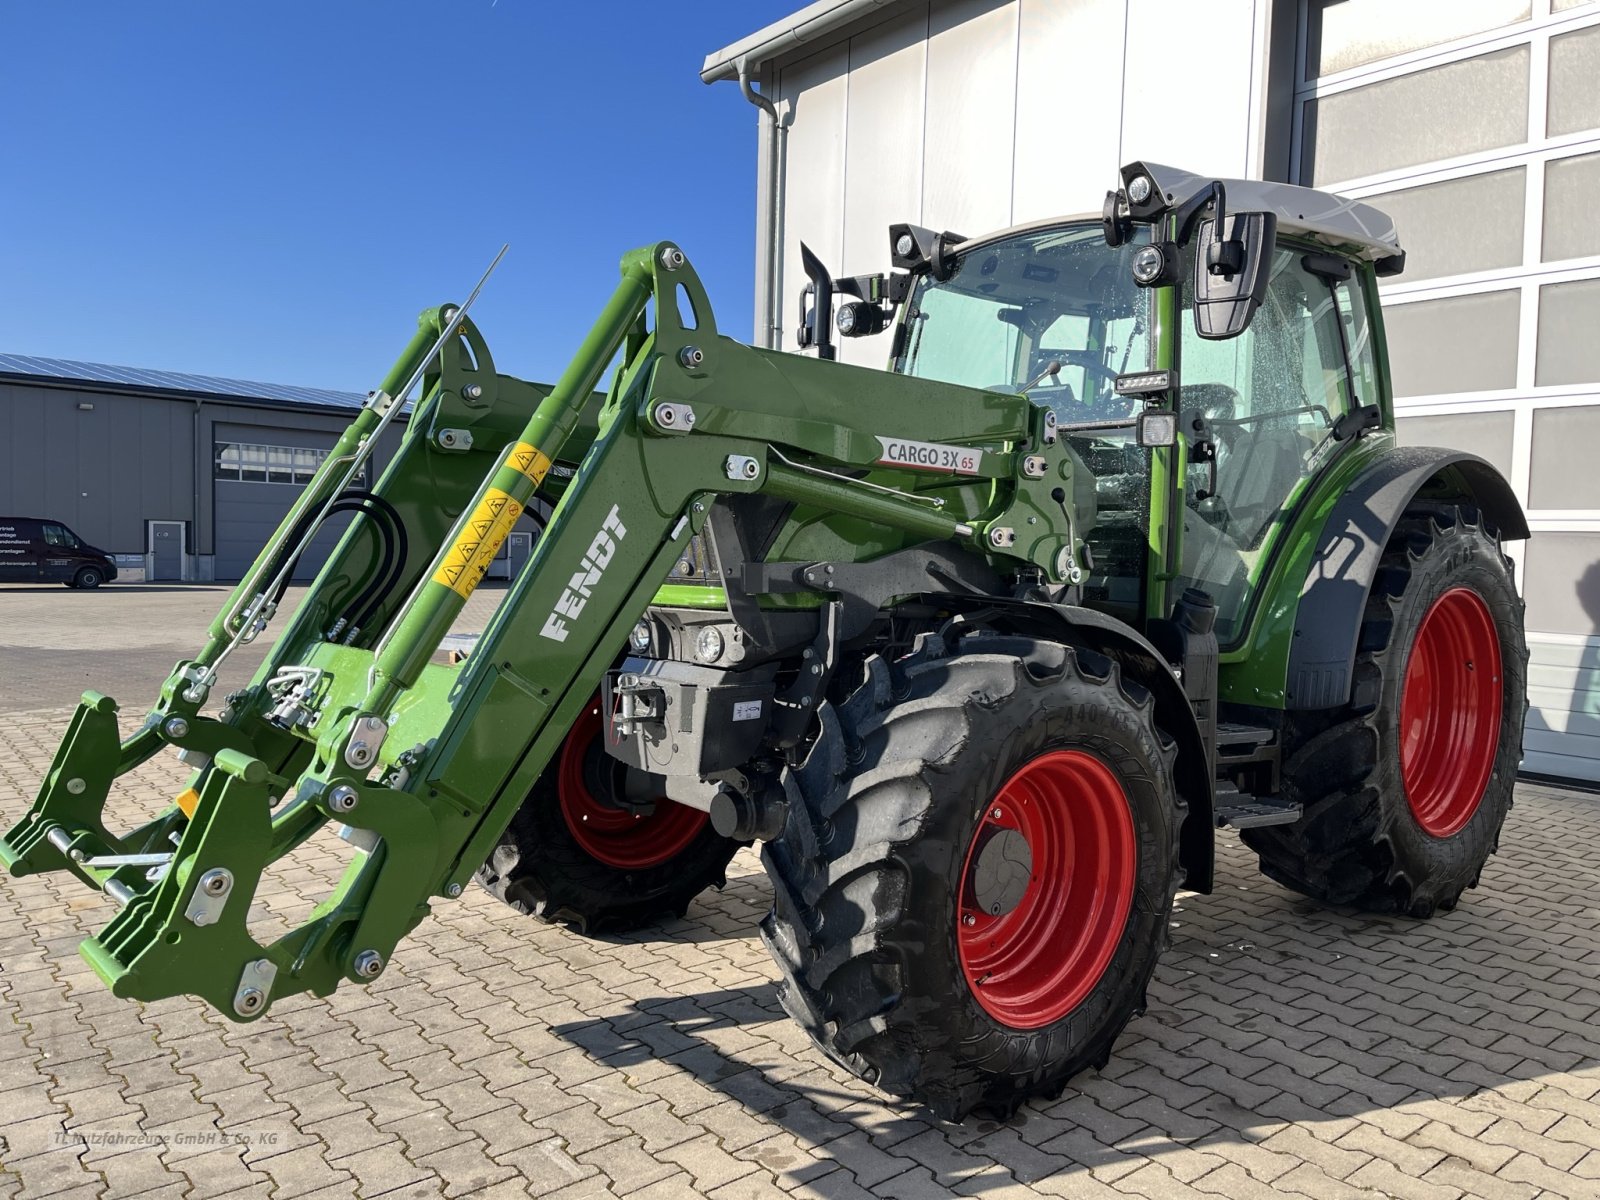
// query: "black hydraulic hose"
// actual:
[[285, 564], [381, 585], [394, 543], [381, 577]]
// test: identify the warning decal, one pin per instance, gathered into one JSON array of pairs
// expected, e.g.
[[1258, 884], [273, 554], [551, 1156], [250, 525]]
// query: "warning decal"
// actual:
[[464, 566], [528, 460]]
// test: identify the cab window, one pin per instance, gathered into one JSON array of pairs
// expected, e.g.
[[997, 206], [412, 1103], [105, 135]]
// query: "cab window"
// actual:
[[60, 535]]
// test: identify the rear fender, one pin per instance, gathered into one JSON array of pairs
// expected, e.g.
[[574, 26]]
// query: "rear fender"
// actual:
[[1138, 660], [1333, 597]]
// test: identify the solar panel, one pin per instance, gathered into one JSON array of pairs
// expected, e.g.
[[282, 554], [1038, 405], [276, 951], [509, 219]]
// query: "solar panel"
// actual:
[[173, 381]]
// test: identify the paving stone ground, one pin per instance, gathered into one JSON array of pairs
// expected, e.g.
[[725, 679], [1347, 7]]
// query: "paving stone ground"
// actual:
[[1288, 1049]]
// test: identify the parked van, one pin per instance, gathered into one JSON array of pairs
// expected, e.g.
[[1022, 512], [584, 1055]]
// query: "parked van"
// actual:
[[38, 551]]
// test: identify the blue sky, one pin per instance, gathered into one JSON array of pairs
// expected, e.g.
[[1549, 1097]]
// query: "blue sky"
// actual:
[[274, 190]]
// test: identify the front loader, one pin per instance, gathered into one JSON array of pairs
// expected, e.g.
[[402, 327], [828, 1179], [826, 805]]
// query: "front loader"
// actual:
[[982, 648]]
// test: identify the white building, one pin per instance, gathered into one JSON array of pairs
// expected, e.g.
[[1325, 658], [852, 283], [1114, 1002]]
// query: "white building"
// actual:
[[1474, 123]]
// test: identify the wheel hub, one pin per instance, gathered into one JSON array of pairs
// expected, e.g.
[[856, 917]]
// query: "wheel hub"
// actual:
[[1450, 705], [630, 838], [1000, 871], [1046, 888]]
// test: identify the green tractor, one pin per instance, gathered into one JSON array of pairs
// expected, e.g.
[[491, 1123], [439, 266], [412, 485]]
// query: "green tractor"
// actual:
[[982, 649]]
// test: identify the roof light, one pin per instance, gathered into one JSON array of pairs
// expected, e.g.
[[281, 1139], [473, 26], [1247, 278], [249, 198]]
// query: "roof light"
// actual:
[[1139, 189]]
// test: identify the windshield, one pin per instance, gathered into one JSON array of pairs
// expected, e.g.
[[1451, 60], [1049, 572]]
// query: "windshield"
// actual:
[[1014, 306]]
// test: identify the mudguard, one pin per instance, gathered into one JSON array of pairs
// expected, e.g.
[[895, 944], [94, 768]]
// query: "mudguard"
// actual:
[[1334, 596]]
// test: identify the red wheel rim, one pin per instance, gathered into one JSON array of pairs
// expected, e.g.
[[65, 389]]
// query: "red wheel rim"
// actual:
[[1034, 963], [615, 836], [1450, 712]]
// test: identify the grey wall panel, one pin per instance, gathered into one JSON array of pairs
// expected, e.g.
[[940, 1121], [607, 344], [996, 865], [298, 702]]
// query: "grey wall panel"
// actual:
[[1570, 185], [1350, 33], [1562, 474], [1176, 107], [1569, 315], [1574, 81], [1068, 145], [972, 98], [1460, 225], [1463, 344], [883, 152], [1562, 583], [814, 94], [1473, 104], [1488, 435]]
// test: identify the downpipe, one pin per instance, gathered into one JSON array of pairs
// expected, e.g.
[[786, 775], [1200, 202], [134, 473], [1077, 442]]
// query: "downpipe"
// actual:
[[768, 233]]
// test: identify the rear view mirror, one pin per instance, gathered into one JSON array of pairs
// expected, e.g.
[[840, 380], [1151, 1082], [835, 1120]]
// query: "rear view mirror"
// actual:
[[1230, 272]]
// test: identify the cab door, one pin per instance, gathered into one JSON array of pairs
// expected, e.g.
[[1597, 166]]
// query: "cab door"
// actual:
[[58, 557], [1266, 404]]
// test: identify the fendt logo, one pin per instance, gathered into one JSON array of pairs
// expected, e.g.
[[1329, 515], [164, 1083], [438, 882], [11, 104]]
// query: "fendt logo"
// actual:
[[582, 584]]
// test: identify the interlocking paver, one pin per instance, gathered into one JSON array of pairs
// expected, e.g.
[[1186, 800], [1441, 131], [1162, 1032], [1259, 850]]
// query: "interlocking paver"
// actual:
[[1289, 1049]]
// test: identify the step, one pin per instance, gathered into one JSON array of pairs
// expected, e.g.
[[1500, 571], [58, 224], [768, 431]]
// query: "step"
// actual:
[[1252, 812], [1236, 740]]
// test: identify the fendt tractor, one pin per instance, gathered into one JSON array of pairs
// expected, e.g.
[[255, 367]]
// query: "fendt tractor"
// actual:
[[982, 649]]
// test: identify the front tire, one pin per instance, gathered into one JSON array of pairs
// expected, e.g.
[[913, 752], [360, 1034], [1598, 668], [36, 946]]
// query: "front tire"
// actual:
[[87, 578], [1406, 788], [974, 881], [570, 856]]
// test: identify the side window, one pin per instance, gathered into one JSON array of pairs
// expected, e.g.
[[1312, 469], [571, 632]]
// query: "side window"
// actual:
[[1358, 336], [57, 535], [1269, 398]]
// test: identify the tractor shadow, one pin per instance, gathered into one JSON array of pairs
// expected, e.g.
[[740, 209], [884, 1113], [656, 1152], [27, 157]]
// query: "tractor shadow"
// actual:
[[1270, 1017]]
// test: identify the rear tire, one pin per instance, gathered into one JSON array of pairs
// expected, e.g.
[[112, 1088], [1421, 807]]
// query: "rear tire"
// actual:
[[1406, 788], [568, 856], [935, 936]]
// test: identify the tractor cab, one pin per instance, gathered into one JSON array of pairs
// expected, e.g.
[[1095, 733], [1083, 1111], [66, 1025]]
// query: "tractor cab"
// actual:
[[1256, 351]]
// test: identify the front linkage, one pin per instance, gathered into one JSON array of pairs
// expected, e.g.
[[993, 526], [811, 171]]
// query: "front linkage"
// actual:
[[421, 765]]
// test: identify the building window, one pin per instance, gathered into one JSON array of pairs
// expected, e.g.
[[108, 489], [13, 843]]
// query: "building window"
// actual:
[[249, 462]]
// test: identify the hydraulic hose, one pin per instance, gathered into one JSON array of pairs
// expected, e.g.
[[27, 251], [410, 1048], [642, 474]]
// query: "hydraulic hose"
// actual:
[[393, 544]]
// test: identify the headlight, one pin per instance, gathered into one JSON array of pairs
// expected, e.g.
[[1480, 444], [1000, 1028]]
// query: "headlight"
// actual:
[[861, 319], [904, 245], [1139, 189], [1148, 263], [639, 639], [708, 645]]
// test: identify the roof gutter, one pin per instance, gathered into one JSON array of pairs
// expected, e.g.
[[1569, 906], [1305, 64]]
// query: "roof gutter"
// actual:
[[812, 22]]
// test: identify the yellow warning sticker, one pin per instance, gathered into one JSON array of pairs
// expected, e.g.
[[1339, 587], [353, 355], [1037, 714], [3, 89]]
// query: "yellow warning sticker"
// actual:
[[187, 800], [529, 461], [469, 558]]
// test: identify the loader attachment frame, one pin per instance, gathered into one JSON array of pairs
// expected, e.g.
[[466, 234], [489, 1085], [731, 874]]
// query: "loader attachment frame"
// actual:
[[420, 765]]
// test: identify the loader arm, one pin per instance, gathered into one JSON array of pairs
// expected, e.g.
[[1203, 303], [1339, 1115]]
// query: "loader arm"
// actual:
[[422, 765]]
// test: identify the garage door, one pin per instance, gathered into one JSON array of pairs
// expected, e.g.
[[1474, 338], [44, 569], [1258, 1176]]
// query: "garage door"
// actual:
[[260, 472], [1476, 125]]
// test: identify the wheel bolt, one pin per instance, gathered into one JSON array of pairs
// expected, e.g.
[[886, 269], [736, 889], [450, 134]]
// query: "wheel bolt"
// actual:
[[968, 919], [994, 813]]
